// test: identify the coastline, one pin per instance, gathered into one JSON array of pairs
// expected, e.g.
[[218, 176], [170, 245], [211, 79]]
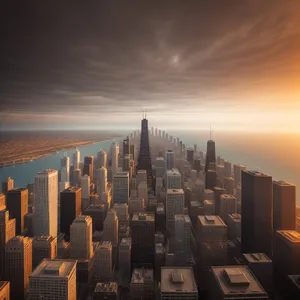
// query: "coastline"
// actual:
[[52, 151]]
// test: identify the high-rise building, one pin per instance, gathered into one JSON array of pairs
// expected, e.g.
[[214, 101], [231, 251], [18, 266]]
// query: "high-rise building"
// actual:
[[142, 284], [229, 185], [46, 203], [81, 238], [65, 169], [106, 291], [98, 213], [101, 180], [102, 159], [227, 206], [18, 265], [17, 204], [178, 283], [103, 268], [43, 247], [7, 185], [257, 213], [4, 290], [142, 234], [190, 155], [174, 206], [170, 160], [2, 201], [159, 167], [227, 168], [76, 177], [210, 154], [142, 192], [111, 227], [85, 184], [70, 208], [125, 258], [141, 176], [88, 167], [76, 159], [53, 279], [173, 179], [284, 206], [7, 232], [114, 153], [144, 158], [120, 187], [237, 173]]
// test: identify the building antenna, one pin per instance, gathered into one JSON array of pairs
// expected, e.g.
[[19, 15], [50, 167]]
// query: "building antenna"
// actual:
[[210, 133]]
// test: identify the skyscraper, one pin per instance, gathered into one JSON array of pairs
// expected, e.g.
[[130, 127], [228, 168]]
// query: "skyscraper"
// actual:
[[111, 228], [173, 177], [101, 180], [65, 169], [88, 167], [85, 184], [103, 267], [144, 158], [120, 187], [46, 203], [76, 159], [170, 160], [102, 159], [114, 154], [190, 155], [257, 213], [18, 265], [17, 204], [210, 153], [5, 290], [7, 185]]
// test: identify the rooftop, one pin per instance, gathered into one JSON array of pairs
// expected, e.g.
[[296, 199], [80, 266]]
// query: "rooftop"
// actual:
[[184, 218], [256, 173], [82, 219], [106, 287], [159, 248], [209, 202], [126, 241], [3, 284], [142, 275], [282, 183], [43, 238], [105, 245], [227, 196], [237, 280], [47, 172], [179, 279], [143, 217], [211, 221], [235, 217], [257, 258], [72, 189], [54, 268], [290, 235], [121, 174], [174, 172], [175, 191], [17, 190]]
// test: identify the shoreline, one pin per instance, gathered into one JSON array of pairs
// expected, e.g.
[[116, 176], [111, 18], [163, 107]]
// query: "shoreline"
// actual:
[[51, 152]]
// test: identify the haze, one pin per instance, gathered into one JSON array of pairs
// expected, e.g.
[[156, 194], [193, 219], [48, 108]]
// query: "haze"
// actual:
[[191, 64]]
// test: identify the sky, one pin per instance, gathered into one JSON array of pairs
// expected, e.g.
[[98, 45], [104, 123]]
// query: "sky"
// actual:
[[191, 64]]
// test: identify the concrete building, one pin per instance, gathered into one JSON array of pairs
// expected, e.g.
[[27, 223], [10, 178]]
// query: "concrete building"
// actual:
[[141, 176], [76, 177], [120, 187], [81, 238], [228, 206], [103, 268], [88, 167], [170, 160], [114, 153], [142, 192], [229, 185], [53, 280], [111, 227], [125, 259], [7, 185], [227, 168], [106, 291], [122, 213], [174, 206], [178, 283], [98, 214], [43, 247], [234, 226], [173, 179], [284, 206], [101, 180], [237, 173], [2, 201], [76, 159], [85, 184], [102, 159], [17, 204], [65, 169], [18, 265], [4, 290], [46, 203], [235, 282], [159, 167], [257, 214], [142, 284], [136, 205]]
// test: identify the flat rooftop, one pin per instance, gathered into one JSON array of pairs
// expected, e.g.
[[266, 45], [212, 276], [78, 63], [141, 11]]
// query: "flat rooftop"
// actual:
[[3, 284], [174, 172], [159, 248], [208, 202], [256, 173], [290, 235], [72, 189], [257, 258], [43, 238], [54, 268], [282, 183], [184, 218], [47, 172], [142, 275], [235, 217], [17, 190], [208, 191], [236, 281], [121, 174], [227, 196], [143, 217], [106, 287], [126, 241], [175, 191], [209, 221], [105, 245], [179, 279]]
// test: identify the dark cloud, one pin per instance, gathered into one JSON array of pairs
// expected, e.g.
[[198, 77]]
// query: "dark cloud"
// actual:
[[115, 56]]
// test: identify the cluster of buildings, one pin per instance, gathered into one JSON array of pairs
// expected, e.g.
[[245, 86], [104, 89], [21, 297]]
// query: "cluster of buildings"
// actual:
[[151, 219]]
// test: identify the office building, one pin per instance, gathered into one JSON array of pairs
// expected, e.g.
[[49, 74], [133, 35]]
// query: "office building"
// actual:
[[120, 187], [257, 213], [7, 185], [142, 192], [142, 284], [2, 201], [53, 279], [284, 206], [217, 198], [141, 176], [136, 205], [174, 206], [173, 181], [76, 159], [7, 232], [43, 247], [159, 167], [102, 159], [220, 173], [4, 290], [227, 168], [227, 206], [101, 180], [235, 282], [125, 259], [88, 166], [111, 227], [114, 154], [210, 179], [65, 169], [229, 185], [190, 155], [98, 213], [210, 154], [178, 283], [170, 160], [81, 238], [103, 268], [18, 265], [17, 204], [76, 177], [106, 291], [234, 226], [197, 165], [142, 234], [85, 184], [237, 173], [46, 203], [209, 208]]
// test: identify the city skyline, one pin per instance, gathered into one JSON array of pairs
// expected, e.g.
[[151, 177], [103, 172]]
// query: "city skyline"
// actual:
[[217, 63]]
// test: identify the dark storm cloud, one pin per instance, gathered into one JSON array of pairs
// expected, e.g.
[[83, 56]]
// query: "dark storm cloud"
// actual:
[[61, 56]]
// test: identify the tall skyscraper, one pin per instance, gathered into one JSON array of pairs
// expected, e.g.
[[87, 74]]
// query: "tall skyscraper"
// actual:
[[7, 185], [46, 203], [228, 205], [101, 180], [111, 227], [2, 201], [257, 213], [144, 158], [76, 159], [17, 204], [103, 266], [237, 171], [126, 146], [88, 167], [141, 175], [114, 154], [284, 206], [7, 232], [210, 153], [81, 238], [170, 160], [53, 279], [18, 265], [102, 159], [76, 177], [120, 187], [173, 181], [190, 155], [65, 169], [125, 258], [85, 184]]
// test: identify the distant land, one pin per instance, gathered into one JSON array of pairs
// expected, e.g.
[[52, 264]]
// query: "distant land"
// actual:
[[22, 146]]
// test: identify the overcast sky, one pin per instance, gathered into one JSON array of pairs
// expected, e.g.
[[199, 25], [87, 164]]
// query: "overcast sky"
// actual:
[[97, 64]]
